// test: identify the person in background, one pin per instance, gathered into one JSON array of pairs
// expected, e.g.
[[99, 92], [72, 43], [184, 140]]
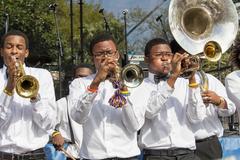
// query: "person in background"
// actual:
[[214, 103], [232, 80], [165, 131], [83, 70], [68, 133], [25, 123]]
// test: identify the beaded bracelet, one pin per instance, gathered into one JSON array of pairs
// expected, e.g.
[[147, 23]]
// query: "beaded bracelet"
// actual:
[[91, 90], [9, 93], [125, 93]]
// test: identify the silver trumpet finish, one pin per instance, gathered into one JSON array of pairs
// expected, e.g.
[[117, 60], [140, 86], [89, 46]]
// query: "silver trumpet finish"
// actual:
[[132, 75], [194, 23]]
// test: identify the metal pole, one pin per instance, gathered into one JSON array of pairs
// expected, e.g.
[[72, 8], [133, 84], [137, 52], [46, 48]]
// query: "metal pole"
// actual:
[[59, 44], [71, 31], [159, 18], [81, 32], [125, 60]]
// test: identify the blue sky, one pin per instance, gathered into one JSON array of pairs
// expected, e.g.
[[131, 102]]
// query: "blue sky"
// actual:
[[117, 6]]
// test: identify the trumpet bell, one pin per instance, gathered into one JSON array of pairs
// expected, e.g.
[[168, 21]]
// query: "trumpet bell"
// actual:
[[132, 75], [212, 51], [27, 86], [194, 23]]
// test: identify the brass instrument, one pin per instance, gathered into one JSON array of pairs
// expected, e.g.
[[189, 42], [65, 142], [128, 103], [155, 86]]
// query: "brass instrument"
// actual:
[[132, 75], [208, 26], [27, 86], [203, 28]]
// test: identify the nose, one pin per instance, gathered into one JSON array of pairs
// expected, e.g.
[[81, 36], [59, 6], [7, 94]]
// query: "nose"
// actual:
[[14, 51], [164, 57]]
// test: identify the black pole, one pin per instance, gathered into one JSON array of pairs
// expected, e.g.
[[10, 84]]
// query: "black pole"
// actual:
[[106, 25], [159, 18], [81, 32], [125, 60], [6, 17], [71, 31], [59, 44], [6, 23]]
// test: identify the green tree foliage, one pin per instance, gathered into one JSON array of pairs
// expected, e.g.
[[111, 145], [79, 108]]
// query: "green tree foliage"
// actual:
[[37, 21], [32, 17]]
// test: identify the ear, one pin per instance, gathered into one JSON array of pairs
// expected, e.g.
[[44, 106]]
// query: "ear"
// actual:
[[27, 53], [146, 59], [118, 55]]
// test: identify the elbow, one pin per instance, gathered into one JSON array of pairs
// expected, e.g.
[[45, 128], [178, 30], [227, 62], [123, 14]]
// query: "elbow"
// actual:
[[132, 126], [76, 116], [196, 118]]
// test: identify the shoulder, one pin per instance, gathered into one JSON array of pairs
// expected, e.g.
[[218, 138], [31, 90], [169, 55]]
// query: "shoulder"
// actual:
[[39, 71], [83, 80], [62, 101], [234, 74], [41, 74]]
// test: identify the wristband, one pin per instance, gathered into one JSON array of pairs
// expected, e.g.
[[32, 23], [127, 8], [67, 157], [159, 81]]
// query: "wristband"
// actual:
[[91, 90], [55, 133], [193, 85], [9, 93], [125, 93]]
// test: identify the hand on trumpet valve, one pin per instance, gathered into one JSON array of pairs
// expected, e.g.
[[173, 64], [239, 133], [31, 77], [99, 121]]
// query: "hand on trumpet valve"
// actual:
[[12, 71], [177, 63], [107, 69]]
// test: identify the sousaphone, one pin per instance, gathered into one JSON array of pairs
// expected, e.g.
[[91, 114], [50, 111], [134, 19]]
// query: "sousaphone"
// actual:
[[208, 26]]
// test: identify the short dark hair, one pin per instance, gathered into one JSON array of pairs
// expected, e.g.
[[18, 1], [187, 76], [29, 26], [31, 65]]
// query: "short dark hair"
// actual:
[[152, 43], [235, 55], [83, 65], [15, 33], [175, 46], [99, 38]]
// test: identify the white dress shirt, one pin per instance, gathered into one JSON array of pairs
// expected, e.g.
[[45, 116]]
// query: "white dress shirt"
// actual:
[[63, 126], [24, 126], [168, 127], [232, 84], [210, 124], [106, 132]]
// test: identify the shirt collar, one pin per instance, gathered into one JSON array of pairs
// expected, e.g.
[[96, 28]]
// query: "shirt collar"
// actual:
[[151, 77]]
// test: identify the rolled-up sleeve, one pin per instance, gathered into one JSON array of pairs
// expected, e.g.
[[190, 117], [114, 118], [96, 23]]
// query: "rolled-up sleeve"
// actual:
[[196, 109], [44, 110], [81, 100]]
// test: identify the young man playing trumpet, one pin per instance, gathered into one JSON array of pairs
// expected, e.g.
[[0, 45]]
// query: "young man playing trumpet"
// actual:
[[24, 122], [99, 104], [207, 127], [160, 111]]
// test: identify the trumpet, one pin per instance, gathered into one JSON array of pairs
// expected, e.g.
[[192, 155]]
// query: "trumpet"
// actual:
[[27, 86], [212, 52], [130, 75]]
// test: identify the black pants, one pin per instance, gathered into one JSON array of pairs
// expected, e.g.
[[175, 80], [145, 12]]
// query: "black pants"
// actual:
[[170, 154], [209, 148], [32, 155], [117, 158]]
